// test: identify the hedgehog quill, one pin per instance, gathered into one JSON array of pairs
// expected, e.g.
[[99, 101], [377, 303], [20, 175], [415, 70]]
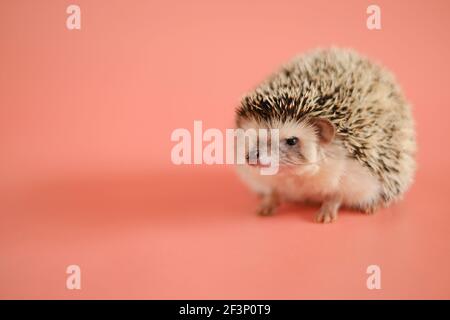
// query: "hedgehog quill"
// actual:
[[346, 134]]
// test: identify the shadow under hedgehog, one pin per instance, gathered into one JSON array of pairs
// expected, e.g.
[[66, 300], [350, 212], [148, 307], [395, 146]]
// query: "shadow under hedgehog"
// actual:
[[346, 133]]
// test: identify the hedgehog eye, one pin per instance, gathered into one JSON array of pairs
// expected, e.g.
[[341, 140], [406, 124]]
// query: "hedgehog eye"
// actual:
[[292, 141]]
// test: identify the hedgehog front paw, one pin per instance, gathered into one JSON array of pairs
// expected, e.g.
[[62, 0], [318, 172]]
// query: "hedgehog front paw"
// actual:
[[326, 216], [269, 204], [266, 210], [328, 212]]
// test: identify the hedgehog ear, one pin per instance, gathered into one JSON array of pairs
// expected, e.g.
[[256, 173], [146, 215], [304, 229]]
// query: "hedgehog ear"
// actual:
[[325, 129]]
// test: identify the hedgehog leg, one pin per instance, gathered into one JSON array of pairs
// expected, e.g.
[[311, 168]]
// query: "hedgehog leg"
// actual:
[[370, 209], [328, 212], [268, 204]]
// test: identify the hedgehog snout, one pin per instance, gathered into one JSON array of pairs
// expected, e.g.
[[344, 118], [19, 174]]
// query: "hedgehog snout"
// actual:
[[252, 157], [256, 158]]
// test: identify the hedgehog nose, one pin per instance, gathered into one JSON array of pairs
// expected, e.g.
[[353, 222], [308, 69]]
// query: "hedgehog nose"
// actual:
[[252, 157]]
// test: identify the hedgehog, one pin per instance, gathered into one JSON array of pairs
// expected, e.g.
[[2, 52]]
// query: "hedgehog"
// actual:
[[346, 134]]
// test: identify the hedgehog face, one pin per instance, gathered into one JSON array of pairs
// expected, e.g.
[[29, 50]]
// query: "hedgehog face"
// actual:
[[300, 143]]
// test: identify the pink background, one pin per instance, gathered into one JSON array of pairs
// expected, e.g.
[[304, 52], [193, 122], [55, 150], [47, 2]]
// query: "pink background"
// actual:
[[85, 170]]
